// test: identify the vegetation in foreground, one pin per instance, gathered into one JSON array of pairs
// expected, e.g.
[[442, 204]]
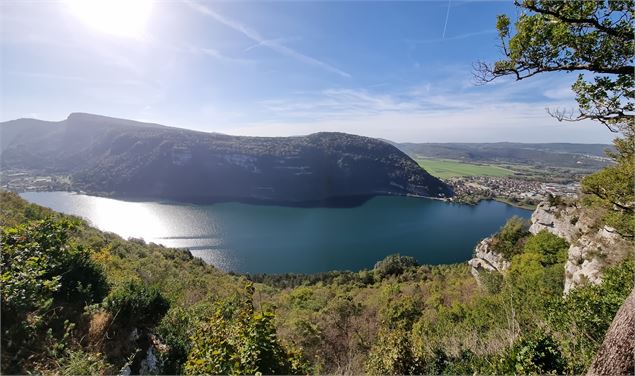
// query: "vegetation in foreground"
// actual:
[[80, 301]]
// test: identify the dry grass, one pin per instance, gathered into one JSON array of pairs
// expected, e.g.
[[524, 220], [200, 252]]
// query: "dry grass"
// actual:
[[99, 324]]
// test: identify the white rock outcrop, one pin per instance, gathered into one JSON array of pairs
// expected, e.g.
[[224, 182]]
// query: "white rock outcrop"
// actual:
[[592, 247], [486, 260]]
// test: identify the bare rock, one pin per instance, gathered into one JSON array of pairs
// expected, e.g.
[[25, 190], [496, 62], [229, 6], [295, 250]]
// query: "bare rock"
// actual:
[[485, 259], [593, 247]]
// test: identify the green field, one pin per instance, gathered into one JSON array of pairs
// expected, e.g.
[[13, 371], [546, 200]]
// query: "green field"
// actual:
[[445, 168]]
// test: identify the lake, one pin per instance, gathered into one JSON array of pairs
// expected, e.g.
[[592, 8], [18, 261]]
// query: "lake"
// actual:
[[248, 238]]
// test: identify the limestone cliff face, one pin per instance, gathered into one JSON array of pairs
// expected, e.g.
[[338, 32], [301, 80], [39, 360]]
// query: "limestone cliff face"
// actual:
[[485, 259], [593, 247]]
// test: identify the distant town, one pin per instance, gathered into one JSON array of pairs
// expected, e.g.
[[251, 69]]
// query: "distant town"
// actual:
[[515, 191], [22, 181]]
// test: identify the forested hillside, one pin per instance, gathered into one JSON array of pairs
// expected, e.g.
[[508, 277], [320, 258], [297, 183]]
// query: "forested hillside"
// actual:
[[124, 158], [80, 301]]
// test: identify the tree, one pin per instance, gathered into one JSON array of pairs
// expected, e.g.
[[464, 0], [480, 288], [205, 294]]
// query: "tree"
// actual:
[[239, 340], [505, 241], [592, 36], [585, 313], [394, 265], [619, 336], [612, 189], [551, 248]]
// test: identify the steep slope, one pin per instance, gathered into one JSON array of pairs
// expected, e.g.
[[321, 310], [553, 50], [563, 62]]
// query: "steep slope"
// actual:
[[593, 247], [132, 159]]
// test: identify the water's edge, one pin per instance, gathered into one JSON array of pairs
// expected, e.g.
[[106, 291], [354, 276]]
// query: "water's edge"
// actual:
[[268, 239]]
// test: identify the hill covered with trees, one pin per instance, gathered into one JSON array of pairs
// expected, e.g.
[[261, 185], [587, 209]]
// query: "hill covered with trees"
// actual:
[[130, 159]]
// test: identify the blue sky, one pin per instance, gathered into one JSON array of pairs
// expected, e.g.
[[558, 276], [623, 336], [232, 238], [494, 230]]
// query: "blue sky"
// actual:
[[395, 70]]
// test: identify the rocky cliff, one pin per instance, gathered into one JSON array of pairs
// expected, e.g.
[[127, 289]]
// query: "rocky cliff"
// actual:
[[592, 245], [485, 259]]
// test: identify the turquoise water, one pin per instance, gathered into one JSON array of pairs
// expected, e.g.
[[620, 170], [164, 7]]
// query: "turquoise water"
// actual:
[[274, 239]]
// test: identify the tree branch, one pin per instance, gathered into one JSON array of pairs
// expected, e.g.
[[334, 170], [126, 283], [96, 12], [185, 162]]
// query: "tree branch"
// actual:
[[520, 73], [581, 21]]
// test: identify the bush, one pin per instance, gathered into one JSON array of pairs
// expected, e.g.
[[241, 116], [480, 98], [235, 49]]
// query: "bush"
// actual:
[[243, 343], [392, 355], [555, 200], [585, 314], [175, 330], [394, 265], [492, 281], [402, 313], [506, 241], [552, 248], [42, 269], [536, 354], [137, 304]]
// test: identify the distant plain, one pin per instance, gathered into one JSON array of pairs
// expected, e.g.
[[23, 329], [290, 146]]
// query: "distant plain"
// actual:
[[447, 168]]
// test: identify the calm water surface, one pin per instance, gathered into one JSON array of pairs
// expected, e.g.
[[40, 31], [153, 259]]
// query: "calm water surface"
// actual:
[[274, 239]]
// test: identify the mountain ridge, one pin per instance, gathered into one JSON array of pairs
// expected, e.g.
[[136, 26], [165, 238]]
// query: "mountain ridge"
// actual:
[[119, 157]]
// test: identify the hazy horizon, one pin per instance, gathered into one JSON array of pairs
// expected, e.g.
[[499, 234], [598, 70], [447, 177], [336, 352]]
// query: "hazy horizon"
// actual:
[[304, 134]]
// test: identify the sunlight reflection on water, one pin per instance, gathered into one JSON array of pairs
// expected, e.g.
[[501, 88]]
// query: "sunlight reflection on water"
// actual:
[[274, 239]]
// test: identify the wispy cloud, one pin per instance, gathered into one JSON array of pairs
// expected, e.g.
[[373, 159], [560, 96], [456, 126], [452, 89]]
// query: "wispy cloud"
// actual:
[[268, 42], [218, 55], [453, 37], [428, 112], [560, 92], [273, 44], [80, 79]]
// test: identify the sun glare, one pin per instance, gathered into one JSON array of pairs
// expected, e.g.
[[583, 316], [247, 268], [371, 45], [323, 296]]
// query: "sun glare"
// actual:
[[122, 18]]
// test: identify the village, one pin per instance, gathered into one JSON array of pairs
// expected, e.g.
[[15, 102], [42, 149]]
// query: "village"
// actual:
[[520, 192], [22, 181]]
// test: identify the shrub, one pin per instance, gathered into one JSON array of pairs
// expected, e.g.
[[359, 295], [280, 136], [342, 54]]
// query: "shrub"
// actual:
[[175, 330], [42, 268], [244, 343], [492, 281], [585, 314], [392, 355], [554, 200], [552, 248], [137, 304], [401, 313], [506, 241], [394, 265], [535, 354]]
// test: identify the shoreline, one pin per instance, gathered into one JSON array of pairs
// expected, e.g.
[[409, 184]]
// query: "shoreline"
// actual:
[[342, 202], [335, 202]]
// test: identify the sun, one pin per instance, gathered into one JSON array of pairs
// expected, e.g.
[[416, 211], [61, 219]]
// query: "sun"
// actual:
[[122, 18]]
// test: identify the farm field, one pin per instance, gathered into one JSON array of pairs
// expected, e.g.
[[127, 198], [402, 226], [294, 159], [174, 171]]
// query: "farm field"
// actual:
[[445, 168]]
